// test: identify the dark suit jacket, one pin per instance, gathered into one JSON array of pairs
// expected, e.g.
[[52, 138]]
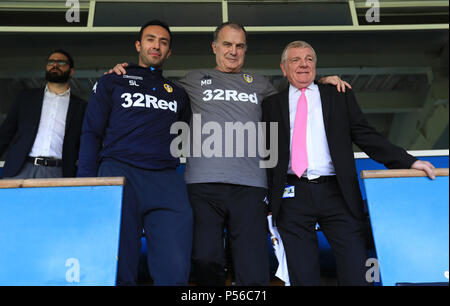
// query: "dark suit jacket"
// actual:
[[18, 131], [344, 124]]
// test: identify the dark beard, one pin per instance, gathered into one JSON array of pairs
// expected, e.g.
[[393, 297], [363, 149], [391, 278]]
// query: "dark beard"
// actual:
[[54, 77]]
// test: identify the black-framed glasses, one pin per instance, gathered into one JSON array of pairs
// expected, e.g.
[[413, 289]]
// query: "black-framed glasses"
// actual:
[[51, 62]]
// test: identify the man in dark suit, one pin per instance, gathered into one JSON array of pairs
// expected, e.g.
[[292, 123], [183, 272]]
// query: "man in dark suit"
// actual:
[[315, 180], [41, 133]]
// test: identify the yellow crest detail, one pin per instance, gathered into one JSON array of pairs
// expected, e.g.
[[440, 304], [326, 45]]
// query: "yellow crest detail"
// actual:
[[168, 88], [248, 78]]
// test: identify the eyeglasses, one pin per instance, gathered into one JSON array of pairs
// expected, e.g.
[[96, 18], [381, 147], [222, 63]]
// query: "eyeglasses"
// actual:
[[51, 62]]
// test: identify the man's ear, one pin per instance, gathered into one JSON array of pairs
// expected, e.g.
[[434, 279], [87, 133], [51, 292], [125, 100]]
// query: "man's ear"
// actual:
[[283, 68], [138, 46], [72, 71], [214, 46]]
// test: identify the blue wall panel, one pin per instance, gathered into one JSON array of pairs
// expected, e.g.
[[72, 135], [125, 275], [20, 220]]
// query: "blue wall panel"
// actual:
[[410, 225], [59, 235]]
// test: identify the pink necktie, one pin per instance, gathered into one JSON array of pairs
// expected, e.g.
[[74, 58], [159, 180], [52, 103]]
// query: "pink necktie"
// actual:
[[299, 155]]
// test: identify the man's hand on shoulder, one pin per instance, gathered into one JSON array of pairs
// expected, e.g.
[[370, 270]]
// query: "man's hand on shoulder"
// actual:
[[336, 81], [118, 69]]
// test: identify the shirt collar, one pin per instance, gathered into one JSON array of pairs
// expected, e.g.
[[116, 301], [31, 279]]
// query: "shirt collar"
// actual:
[[63, 94], [293, 89]]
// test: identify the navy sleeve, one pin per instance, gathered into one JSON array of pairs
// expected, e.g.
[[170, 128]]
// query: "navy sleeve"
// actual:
[[186, 113], [94, 125]]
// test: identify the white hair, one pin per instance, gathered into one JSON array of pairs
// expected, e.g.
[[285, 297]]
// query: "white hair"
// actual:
[[297, 44]]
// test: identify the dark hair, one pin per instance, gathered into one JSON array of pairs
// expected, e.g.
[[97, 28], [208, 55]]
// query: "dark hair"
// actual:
[[69, 57], [231, 24], [157, 23]]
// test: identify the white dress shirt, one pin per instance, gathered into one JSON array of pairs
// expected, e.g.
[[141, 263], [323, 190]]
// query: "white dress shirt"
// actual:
[[50, 134], [319, 159]]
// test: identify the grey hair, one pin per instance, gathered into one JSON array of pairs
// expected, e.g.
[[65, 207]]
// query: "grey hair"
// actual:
[[297, 44], [230, 24]]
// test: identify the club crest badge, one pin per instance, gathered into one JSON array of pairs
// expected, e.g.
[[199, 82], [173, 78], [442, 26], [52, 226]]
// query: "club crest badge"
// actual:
[[248, 78], [168, 88]]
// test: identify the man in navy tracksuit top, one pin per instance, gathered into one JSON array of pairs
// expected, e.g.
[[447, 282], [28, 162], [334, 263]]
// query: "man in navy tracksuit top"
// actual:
[[126, 132]]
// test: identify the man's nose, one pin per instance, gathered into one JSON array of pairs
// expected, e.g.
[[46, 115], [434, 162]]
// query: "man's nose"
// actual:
[[54, 66], [303, 63]]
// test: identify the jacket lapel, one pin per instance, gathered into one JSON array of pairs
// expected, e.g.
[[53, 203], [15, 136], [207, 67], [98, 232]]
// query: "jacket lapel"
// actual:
[[71, 111], [326, 99], [37, 103]]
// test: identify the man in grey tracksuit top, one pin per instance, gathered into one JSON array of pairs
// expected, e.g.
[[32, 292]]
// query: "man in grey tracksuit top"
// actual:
[[227, 190]]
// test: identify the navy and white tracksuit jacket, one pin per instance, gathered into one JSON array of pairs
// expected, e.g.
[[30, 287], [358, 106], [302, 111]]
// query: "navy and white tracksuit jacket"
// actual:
[[126, 132]]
